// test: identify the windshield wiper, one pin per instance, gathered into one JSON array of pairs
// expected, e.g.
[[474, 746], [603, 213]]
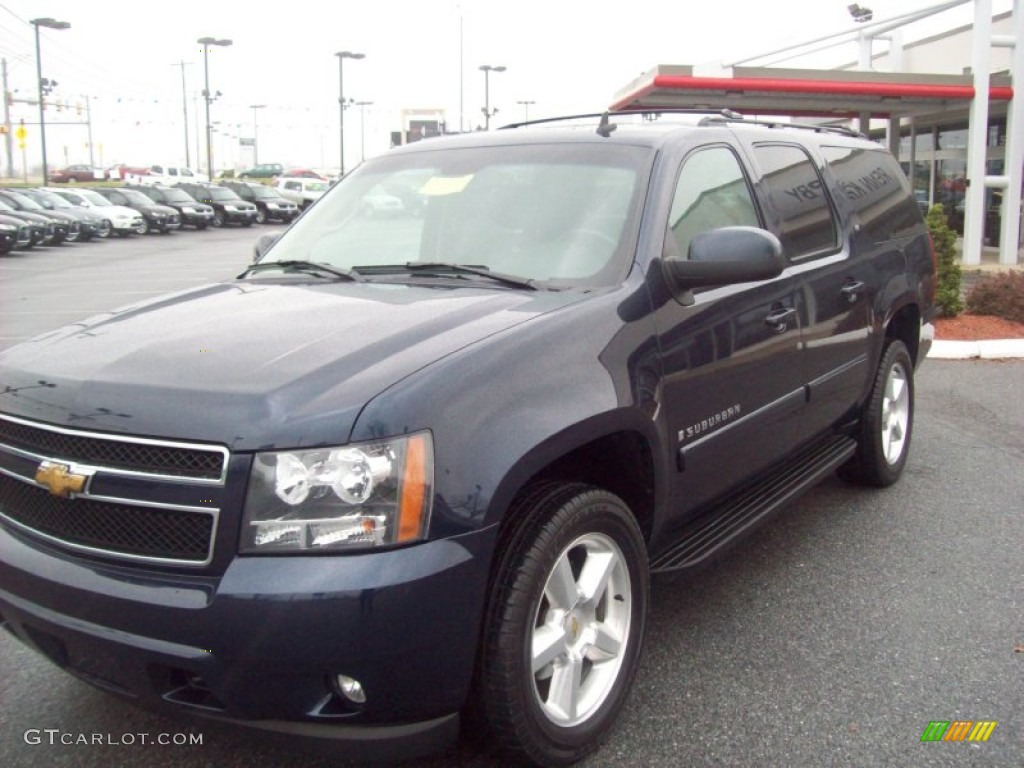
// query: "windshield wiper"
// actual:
[[479, 270], [309, 267]]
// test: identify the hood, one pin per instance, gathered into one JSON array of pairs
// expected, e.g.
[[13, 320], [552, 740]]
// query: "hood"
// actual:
[[156, 208], [253, 364], [120, 211]]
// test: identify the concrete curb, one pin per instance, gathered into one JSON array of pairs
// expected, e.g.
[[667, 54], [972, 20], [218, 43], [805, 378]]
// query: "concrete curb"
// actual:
[[996, 349]]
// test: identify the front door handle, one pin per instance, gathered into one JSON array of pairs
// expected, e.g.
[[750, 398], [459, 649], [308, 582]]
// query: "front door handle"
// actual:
[[852, 290], [779, 318]]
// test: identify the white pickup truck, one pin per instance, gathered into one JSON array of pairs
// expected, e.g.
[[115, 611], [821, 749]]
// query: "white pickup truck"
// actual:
[[163, 174]]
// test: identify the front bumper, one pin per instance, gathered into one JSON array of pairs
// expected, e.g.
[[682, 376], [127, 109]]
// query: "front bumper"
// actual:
[[260, 644], [249, 214], [197, 218]]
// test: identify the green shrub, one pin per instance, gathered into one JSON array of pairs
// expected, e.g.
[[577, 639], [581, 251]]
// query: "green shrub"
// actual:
[[1001, 295], [947, 295]]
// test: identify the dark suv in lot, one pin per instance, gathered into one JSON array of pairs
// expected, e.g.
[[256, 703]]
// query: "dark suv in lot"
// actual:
[[228, 208], [413, 467], [191, 212], [270, 206]]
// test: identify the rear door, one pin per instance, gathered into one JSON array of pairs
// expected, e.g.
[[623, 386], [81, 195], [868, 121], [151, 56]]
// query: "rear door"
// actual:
[[732, 385], [836, 285]]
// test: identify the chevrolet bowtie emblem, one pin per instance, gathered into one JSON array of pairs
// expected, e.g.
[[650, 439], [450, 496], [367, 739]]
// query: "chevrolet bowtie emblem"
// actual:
[[59, 479]]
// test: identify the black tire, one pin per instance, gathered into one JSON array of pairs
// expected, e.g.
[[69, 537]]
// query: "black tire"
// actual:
[[143, 228], [261, 216], [105, 229], [883, 440], [218, 219], [535, 715]]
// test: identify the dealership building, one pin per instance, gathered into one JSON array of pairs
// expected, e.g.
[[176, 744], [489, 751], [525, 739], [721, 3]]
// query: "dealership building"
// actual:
[[919, 96]]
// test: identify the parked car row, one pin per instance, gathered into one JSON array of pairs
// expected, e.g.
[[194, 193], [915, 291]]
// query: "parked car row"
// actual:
[[50, 216]]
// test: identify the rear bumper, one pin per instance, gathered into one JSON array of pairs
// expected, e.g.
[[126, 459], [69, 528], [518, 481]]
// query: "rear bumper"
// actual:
[[261, 645]]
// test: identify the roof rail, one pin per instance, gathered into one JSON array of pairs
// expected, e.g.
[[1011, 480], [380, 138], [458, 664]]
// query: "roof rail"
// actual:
[[712, 117], [649, 114], [840, 129]]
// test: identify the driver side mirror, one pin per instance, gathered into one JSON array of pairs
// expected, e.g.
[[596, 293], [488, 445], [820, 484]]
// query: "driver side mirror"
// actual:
[[264, 244], [724, 256]]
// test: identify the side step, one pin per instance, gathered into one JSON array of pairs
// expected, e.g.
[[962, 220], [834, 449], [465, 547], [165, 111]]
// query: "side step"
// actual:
[[737, 514]]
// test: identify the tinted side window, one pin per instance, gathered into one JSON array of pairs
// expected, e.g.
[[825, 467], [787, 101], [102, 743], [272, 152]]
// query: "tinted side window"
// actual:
[[875, 189], [711, 192], [791, 181]]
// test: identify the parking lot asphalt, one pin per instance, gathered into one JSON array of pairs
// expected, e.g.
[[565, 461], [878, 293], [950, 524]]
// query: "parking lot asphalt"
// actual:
[[831, 637]]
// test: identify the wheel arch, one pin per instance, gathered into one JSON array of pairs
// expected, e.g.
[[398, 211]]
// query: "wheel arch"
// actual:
[[905, 325], [617, 454]]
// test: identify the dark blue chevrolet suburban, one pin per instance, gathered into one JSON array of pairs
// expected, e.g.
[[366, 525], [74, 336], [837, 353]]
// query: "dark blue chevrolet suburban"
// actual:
[[419, 462]]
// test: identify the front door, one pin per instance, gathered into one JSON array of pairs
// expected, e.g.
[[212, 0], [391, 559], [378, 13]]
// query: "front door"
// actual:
[[732, 385]]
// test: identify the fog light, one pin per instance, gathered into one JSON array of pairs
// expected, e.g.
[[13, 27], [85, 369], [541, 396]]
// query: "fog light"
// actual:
[[351, 689]]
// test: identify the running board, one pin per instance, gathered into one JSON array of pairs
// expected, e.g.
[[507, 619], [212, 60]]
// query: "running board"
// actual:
[[737, 514]]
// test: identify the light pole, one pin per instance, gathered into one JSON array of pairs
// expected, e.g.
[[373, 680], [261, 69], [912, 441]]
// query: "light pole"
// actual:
[[362, 127], [49, 24], [342, 55], [526, 109], [487, 69], [255, 133], [184, 110], [206, 42]]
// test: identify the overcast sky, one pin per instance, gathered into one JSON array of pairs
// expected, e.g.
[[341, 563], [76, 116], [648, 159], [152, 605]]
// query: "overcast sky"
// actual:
[[565, 55]]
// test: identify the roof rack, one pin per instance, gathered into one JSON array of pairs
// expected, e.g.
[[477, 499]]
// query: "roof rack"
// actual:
[[711, 117], [840, 129], [648, 114]]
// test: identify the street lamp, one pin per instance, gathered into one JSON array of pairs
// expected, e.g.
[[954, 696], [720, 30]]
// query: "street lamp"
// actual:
[[49, 24], [362, 127], [342, 55], [487, 69], [860, 13], [255, 133], [526, 109], [206, 42]]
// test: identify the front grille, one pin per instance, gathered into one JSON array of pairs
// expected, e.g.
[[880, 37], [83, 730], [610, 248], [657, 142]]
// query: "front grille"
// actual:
[[113, 453], [118, 528]]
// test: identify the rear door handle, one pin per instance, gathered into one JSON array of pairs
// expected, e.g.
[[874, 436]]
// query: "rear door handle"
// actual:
[[779, 318], [852, 290]]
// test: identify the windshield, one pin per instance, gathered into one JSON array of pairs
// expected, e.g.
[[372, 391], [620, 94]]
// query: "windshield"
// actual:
[[563, 213], [221, 193], [93, 197], [263, 192], [52, 198], [134, 196], [177, 196], [25, 202]]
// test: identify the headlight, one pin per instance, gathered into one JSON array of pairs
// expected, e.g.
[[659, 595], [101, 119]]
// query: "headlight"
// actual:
[[157, 215], [329, 499], [8, 228], [272, 206], [186, 209], [230, 208]]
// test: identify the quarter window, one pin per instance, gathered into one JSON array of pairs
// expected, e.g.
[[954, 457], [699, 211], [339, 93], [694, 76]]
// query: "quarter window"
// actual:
[[711, 193], [874, 187], [807, 226]]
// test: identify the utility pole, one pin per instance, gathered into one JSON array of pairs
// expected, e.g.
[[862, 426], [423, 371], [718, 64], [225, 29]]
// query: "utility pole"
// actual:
[[8, 132], [184, 109], [88, 124]]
